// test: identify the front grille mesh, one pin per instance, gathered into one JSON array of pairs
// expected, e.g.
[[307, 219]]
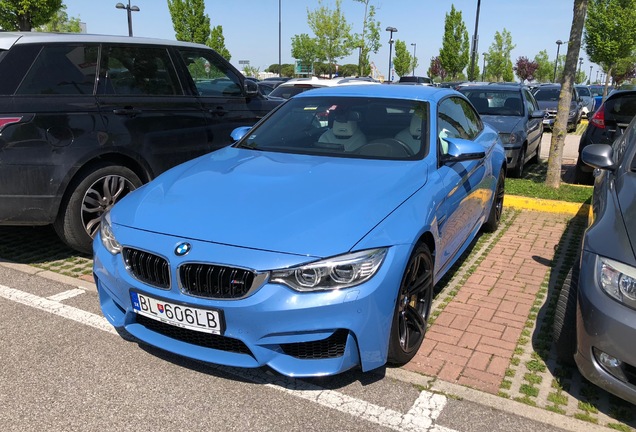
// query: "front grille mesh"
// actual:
[[193, 337], [332, 347], [148, 268], [213, 281]]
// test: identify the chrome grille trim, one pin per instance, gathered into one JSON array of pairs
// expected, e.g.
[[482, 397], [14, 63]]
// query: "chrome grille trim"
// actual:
[[147, 267], [216, 281]]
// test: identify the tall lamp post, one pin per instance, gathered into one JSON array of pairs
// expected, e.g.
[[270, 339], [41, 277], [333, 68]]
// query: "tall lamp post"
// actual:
[[556, 60], [414, 45], [473, 54], [580, 65], [483, 70], [129, 10], [589, 78], [391, 30]]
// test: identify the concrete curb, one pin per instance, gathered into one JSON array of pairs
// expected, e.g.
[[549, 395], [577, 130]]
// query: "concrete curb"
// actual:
[[546, 206]]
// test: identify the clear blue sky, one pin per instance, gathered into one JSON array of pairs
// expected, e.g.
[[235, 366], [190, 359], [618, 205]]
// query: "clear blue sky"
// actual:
[[250, 27]]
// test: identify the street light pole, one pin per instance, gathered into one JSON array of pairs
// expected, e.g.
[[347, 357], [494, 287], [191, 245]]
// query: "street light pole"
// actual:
[[391, 30], [580, 65], [279, 42], [473, 54], [129, 10], [483, 70], [589, 78], [414, 47], [556, 60]]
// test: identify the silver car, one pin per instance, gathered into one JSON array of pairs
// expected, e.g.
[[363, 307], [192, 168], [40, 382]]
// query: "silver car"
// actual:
[[595, 320], [586, 99]]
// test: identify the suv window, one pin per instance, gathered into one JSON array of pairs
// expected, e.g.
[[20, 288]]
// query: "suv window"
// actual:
[[138, 71], [61, 70], [531, 104], [211, 76]]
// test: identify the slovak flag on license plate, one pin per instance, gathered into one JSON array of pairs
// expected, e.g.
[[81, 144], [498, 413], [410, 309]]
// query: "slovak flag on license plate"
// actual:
[[160, 307]]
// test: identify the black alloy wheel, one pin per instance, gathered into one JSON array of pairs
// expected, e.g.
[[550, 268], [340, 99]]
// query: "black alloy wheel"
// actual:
[[413, 307]]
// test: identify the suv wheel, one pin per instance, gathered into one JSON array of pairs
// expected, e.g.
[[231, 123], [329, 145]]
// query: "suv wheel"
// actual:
[[90, 196], [517, 171]]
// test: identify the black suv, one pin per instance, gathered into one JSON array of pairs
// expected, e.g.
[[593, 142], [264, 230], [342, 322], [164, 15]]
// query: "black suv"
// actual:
[[85, 119]]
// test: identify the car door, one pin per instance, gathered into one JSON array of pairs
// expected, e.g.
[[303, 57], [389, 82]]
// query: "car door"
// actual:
[[466, 191], [534, 125], [220, 90], [149, 114]]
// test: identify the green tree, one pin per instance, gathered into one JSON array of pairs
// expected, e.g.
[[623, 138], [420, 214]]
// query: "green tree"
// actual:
[[369, 40], [499, 63], [610, 33], [25, 15], [332, 31], [189, 20], [251, 71], [61, 23], [348, 70], [454, 52], [544, 71], [403, 60], [216, 41], [305, 49]]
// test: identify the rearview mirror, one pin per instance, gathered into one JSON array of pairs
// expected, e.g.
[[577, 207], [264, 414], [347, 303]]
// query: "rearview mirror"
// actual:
[[462, 150]]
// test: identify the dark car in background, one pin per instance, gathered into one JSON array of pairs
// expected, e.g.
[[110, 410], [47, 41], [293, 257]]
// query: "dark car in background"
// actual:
[[415, 80], [85, 119], [595, 319], [515, 114], [547, 95], [587, 100], [605, 126]]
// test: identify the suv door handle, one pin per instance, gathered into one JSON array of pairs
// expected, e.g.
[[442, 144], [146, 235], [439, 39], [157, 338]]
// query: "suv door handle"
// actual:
[[130, 112], [218, 111]]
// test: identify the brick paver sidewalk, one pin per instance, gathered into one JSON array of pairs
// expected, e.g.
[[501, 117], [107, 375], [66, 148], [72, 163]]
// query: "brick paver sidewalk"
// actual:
[[473, 339]]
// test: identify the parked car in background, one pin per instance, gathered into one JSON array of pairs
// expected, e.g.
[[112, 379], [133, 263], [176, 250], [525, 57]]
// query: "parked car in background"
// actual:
[[597, 93], [605, 126], [547, 96], [85, 119], [587, 100], [358, 218], [595, 319], [415, 80], [515, 114], [296, 86]]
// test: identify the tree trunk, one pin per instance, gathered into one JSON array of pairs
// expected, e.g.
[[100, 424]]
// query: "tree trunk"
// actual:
[[559, 130]]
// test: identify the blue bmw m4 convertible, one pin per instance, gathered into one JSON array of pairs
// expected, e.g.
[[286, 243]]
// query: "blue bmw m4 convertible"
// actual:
[[313, 243]]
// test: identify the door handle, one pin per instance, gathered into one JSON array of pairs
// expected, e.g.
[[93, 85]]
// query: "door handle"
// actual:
[[218, 111], [130, 112]]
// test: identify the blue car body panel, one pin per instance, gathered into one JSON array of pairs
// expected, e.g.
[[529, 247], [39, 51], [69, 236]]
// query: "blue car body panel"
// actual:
[[268, 210]]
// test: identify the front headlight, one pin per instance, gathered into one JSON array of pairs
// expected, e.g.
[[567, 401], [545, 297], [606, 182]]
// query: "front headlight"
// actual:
[[108, 237], [617, 279], [343, 271], [508, 138]]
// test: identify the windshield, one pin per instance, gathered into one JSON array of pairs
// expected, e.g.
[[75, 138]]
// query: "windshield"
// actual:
[[584, 91], [358, 127], [551, 94], [495, 102]]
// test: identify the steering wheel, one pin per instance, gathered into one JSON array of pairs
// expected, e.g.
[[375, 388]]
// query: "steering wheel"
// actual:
[[387, 147]]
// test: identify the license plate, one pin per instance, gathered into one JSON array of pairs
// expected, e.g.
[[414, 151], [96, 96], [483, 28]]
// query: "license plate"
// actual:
[[202, 320]]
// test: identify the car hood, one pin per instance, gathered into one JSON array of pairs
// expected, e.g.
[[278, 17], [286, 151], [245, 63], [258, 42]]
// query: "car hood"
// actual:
[[299, 204], [503, 124]]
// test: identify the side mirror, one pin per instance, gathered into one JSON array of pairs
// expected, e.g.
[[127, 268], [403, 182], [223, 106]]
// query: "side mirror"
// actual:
[[251, 88], [537, 114], [239, 133], [462, 150], [599, 156]]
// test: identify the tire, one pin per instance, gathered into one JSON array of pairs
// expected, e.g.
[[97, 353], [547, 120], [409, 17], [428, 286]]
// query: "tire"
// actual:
[[582, 177], [496, 209], [88, 197], [517, 171], [412, 307], [564, 326]]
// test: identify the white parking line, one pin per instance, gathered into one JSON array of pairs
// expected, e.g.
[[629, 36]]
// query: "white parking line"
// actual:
[[67, 294], [420, 417]]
